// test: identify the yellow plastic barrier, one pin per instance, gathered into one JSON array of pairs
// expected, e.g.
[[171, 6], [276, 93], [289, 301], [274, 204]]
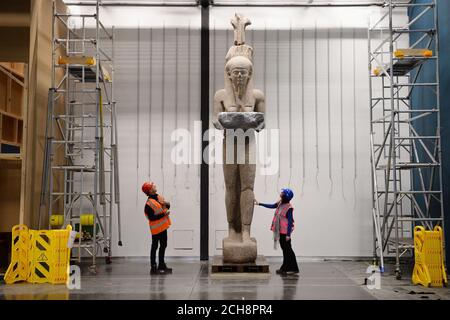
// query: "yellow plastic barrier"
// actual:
[[429, 268], [39, 256], [56, 220], [80, 60], [87, 219], [402, 53], [20, 249]]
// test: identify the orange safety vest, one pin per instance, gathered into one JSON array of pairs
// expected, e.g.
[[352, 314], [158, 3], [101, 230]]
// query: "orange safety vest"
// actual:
[[162, 224]]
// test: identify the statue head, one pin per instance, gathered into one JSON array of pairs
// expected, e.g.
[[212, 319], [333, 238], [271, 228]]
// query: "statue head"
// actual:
[[239, 71]]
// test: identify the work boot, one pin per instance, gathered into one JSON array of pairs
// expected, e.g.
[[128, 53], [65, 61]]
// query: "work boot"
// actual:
[[162, 269], [154, 269], [280, 271]]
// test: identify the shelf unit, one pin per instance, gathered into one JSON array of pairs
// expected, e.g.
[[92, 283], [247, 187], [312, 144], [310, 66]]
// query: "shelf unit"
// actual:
[[12, 99], [13, 93]]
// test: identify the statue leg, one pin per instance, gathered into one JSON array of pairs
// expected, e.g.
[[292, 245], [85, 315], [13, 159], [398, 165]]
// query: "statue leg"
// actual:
[[247, 174], [232, 191], [247, 177]]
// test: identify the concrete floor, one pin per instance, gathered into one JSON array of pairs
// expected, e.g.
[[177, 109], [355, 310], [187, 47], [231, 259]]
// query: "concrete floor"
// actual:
[[130, 279]]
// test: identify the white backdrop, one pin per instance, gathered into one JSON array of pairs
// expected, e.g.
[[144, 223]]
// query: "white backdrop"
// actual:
[[325, 79]]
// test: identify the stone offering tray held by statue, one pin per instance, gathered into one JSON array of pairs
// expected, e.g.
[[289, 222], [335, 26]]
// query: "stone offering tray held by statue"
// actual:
[[242, 120]]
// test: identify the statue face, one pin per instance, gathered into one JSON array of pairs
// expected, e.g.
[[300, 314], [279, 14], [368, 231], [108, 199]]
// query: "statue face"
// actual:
[[239, 77], [239, 71]]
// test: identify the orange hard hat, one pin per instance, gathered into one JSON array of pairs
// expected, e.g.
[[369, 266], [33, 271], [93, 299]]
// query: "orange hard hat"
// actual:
[[147, 187]]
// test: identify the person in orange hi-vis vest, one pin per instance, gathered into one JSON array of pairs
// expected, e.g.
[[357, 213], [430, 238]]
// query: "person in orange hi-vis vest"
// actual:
[[282, 227], [157, 213]]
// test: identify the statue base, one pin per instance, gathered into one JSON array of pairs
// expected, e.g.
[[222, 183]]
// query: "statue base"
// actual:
[[260, 266], [235, 251]]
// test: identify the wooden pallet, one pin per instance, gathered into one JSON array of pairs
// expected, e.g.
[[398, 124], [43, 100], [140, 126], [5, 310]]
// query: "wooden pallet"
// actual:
[[259, 266]]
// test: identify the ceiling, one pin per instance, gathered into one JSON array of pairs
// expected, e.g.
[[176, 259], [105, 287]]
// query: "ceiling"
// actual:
[[230, 2]]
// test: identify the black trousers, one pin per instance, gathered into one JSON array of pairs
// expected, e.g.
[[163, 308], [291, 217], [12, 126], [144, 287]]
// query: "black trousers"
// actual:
[[161, 240], [289, 259]]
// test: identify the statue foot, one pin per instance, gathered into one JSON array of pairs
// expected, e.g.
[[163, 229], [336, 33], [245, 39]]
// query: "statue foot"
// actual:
[[244, 251], [246, 236], [232, 235]]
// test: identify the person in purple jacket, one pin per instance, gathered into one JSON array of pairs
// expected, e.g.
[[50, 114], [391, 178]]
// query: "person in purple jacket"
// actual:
[[282, 227]]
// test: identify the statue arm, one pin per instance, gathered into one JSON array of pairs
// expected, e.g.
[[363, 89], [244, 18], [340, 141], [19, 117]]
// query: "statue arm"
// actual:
[[260, 106], [218, 108], [260, 101]]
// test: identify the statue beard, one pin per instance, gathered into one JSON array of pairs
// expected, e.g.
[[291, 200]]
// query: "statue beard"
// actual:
[[239, 88]]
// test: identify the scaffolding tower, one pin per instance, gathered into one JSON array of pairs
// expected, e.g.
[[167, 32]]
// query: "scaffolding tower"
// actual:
[[405, 156], [80, 184]]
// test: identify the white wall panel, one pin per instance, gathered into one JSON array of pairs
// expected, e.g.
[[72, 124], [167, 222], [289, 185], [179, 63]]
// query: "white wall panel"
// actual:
[[145, 127]]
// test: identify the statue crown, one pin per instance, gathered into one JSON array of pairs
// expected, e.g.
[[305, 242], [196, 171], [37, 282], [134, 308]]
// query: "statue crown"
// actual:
[[242, 50]]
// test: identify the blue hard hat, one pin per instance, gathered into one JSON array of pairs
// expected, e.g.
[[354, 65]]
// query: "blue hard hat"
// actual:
[[288, 194]]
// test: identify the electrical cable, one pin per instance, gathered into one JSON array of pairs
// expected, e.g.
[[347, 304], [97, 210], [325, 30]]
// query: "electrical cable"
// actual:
[[150, 103], [290, 104], [213, 176], [355, 155], [201, 153], [265, 92], [186, 181], [302, 192], [138, 107], [227, 35], [278, 103], [330, 175], [176, 112], [163, 102], [316, 111], [341, 110]]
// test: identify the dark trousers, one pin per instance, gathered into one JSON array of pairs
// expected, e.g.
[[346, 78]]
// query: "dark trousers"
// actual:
[[289, 259], [161, 240]]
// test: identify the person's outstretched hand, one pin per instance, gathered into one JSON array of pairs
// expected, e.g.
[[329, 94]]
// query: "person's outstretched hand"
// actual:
[[256, 203]]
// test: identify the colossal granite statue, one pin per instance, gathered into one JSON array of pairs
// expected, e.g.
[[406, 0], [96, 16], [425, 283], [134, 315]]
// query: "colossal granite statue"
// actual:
[[239, 106]]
